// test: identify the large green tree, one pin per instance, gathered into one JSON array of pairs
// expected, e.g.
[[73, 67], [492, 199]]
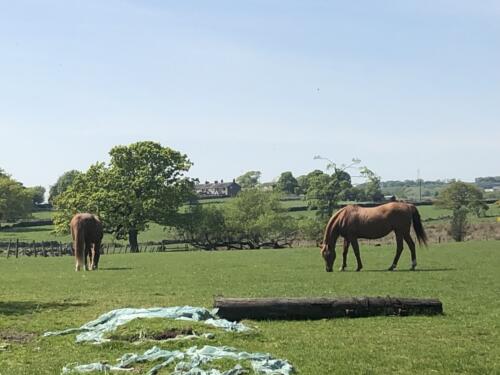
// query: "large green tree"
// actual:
[[462, 199], [144, 182], [204, 226], [287, 183], [460, 194], [37, 194], [303, 181], [249, 179], [62, 184], [257, 219], [15, 199], [253, 219], [325, 190]]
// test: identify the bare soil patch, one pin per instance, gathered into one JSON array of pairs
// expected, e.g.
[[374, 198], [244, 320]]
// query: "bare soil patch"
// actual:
[[12, 336]]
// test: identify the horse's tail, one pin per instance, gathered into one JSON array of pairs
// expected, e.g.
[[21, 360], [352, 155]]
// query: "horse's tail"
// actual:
[[330, 225], [417, 225]]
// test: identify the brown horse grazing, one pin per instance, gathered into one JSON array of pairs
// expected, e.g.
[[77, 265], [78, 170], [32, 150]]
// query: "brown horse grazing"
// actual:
[[86, 231], [353, 222]]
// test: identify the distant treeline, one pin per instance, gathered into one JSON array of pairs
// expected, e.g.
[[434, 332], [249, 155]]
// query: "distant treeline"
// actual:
[[412, 183]]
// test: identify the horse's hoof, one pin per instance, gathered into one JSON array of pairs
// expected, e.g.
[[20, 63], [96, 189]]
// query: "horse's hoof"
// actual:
[[342, 269], [359, 269], [391, 268]]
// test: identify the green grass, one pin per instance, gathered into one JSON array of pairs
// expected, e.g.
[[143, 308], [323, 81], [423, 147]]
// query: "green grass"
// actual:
[[37, 295]]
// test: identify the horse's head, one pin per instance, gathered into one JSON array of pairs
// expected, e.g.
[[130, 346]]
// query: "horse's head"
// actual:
[[328, 255]]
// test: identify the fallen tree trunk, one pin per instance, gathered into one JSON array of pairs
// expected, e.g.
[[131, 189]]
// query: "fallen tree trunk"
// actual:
[[321, 308]]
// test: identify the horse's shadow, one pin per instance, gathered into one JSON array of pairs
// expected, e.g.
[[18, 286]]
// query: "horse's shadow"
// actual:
[[409, 270], [115, 268], [13, 308]]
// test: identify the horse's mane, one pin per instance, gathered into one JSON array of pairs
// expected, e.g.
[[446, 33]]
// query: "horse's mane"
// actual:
[[329, 226]]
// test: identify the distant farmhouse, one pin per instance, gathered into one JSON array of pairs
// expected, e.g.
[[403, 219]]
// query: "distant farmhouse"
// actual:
[[217, 189], [488, 184]]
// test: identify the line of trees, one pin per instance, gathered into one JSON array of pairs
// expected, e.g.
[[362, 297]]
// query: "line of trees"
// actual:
[[253, 219], [16, 200], [145, 183]]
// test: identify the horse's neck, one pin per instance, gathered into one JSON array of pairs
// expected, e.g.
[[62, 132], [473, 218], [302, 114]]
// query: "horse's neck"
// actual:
[[331, 228]]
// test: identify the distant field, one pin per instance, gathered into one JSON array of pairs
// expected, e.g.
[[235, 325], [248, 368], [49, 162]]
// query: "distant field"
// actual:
[[37, 295]]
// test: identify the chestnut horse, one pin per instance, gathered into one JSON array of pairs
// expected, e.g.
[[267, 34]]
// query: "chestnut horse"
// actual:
[[353, 222], [86, 231]]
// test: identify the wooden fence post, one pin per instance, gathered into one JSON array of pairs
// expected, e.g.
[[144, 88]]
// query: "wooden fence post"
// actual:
[[60, 248], [34, 248], [17, 247], [8, 249]]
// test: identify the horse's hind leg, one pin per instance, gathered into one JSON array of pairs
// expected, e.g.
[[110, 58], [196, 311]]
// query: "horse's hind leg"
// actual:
[[399, 249], [411, 245], [88, 255], [355, 248], [344, 255]]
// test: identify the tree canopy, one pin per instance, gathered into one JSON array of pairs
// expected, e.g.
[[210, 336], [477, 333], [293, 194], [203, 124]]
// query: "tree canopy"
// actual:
[[253, 219], [62, 184], [16, 201], [324, 191], [249, 179], [144, 182], [287, 183], [459, 194], [37, 194]]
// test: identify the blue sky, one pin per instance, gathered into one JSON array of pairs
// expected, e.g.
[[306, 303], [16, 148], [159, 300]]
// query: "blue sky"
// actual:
[[254, 85]]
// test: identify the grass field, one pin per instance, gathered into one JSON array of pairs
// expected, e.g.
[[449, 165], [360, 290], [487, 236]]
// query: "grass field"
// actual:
[[42, 294]]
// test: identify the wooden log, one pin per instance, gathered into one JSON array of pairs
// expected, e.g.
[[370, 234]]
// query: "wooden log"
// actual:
[[322, 308]]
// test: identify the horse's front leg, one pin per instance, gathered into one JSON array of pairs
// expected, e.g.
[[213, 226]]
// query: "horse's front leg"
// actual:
[[344, 255], [355, 247]]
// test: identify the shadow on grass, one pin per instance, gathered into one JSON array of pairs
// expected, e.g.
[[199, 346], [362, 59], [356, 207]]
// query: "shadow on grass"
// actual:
[[29, 307], [417, 270], [115, 268]]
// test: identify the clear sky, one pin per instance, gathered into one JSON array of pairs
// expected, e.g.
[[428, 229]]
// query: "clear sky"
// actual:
[[252, 85]]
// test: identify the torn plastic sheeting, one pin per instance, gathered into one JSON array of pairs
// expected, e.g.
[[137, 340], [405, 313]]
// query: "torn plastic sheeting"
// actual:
[[191, 360], [95, 329]]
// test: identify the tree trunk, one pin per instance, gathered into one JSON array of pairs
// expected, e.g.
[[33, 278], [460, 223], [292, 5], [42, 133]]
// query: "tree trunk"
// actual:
[[322, 308], [132, 240]]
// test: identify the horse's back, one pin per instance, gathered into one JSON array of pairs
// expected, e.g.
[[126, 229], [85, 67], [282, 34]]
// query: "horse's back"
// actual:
[[376, 222], [87, 224]]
